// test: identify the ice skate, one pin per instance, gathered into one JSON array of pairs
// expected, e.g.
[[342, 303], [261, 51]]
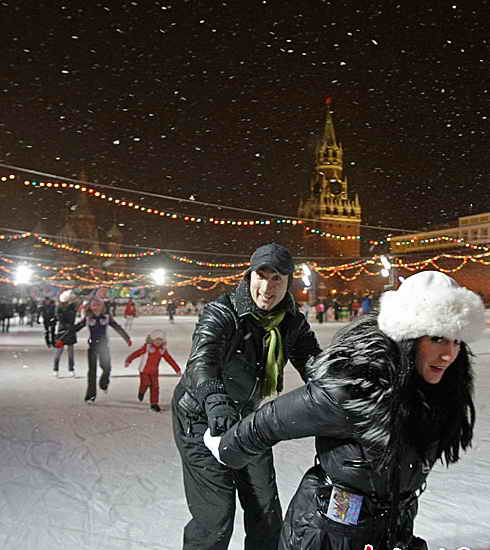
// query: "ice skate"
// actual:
[[155, 408]]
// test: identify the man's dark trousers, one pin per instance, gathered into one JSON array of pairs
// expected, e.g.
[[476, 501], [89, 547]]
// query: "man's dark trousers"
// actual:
[[210, 490]]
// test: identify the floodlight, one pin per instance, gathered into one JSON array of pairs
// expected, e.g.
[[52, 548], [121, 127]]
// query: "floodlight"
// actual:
[[386, 263], [306, 275], [23, 275], [159, 276]]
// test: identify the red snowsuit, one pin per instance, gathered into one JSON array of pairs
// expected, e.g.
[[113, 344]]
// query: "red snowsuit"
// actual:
[[149, 367], [130, 310]]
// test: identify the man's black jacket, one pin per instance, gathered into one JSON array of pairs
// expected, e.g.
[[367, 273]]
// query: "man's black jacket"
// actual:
[[227, 354]]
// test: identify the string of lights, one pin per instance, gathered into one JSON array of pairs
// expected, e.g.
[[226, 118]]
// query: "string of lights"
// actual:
[[148, 252], [74, 282], [119, 255], [99, 277], [183, 259], [4, 237], [96, 277], [192, 201], [215, 220], [328, 235], [13, 234], [76, 250], [186, 260], [96, 194], [431, 240]]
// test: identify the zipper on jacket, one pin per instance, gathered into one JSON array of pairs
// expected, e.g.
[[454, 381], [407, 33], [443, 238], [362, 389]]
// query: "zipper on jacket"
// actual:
[[257, 379], [355, 463]]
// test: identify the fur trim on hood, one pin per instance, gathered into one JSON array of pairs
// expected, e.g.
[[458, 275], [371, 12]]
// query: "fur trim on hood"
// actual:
[[366, 363], [430, 303]]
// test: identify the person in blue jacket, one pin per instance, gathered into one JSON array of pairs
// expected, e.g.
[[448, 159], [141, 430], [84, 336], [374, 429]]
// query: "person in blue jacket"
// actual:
[[97, 319]]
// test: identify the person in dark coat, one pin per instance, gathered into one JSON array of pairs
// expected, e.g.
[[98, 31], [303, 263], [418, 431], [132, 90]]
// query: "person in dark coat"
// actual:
[[366, 304], [390, 397], [6, 313], [32, 311], [98, 320], [48, 313], [240, 346], [171, 310], [21, 312], [66, 314]]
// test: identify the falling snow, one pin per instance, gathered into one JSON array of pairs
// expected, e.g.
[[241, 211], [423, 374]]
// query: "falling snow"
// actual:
[[228, 97]]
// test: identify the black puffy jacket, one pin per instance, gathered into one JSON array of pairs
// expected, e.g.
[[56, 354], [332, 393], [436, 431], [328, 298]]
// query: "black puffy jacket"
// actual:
[[66, 316], [353, 409], [227, 354]]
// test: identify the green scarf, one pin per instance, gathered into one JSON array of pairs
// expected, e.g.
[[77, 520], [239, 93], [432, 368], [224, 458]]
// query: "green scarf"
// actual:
[[273, 347]]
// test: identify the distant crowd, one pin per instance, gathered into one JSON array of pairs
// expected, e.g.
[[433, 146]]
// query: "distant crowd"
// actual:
[[338, 309], [30, 312]]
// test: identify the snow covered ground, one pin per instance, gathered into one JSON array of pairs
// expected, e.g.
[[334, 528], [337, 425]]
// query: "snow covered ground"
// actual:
[[108, 476]]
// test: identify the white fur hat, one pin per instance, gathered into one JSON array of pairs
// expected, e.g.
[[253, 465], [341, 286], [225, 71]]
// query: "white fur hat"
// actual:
[[67, 296], [430, 303], [158, 334]]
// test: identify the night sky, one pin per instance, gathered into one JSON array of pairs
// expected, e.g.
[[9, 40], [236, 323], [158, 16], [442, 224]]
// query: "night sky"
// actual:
[[224, 100]]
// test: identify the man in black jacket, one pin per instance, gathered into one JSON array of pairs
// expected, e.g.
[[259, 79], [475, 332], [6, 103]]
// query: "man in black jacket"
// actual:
[[240, 346], [48, 313]]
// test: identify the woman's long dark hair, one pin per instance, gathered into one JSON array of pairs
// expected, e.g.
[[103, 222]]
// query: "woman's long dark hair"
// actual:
[[389, 401], [442, 412]]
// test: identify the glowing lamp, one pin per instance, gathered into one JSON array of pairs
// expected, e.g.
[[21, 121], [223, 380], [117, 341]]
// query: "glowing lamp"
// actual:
[[159, 276], [23, 275]]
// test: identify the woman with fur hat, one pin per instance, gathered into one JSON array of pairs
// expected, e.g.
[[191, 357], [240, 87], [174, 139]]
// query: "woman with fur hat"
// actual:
[[390, 397], [151, 352], [66, 313]]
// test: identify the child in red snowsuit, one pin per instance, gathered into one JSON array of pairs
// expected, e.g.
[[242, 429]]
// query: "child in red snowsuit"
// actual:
[[152, 351], [129, 314]]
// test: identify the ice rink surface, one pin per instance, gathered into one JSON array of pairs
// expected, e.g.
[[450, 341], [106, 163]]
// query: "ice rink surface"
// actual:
[[108, 476]]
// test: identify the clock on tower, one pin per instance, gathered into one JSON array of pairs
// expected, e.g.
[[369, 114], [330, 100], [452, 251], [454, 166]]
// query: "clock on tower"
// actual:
[[335, 187]]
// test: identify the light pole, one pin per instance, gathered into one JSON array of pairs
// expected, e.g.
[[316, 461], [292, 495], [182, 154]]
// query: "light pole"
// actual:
[[309, 280], [388, 270], [159, 277], [22, 277]]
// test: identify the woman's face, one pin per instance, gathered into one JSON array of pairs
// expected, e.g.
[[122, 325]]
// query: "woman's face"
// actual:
[[434, 355], [158, 342], [97, 306]]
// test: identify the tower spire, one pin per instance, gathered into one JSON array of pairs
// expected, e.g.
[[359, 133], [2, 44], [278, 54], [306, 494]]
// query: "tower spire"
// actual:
[[329, 133], [329, 199]]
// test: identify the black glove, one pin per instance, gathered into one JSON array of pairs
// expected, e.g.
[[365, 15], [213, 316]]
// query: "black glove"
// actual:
[[221, 413]]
